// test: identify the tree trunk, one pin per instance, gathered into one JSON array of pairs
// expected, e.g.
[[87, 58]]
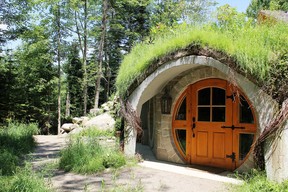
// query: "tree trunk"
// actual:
[[100, 56], [67, 111], [85, 62], [59, 68]]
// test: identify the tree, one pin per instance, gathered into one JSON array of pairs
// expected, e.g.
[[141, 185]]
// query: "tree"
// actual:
[[74, 78], [35, 99], [257, 5], [100, 54]]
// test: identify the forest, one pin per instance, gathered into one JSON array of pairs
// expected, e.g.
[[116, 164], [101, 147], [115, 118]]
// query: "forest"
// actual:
[[70, 51]]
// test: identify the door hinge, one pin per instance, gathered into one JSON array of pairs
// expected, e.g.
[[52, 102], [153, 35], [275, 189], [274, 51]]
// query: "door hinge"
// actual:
[[232, 156]]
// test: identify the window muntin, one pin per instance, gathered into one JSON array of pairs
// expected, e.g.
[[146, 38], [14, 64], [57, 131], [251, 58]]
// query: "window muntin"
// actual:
[[212, 104]]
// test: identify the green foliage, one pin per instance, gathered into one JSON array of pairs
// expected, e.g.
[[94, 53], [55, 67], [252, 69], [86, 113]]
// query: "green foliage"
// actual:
[[114, 159], [257, 5], [15, 140], [118, 124], [86, 155], [257, 181], [95, 132], [255, 48], [8, 162]]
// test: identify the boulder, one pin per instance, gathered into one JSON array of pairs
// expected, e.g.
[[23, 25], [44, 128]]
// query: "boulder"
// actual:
[[103, 122], [76, 130], [77, 120], [85, 119], [67, 127]]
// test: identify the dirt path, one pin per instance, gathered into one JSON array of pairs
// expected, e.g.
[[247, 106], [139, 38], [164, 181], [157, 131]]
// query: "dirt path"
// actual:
[[148, 176]]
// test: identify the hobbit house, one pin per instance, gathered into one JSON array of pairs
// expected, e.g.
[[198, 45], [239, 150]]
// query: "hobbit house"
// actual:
[[201, 104]]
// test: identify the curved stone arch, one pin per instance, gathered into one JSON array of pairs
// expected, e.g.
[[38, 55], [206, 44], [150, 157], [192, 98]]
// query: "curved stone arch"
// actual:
[[155, 83]]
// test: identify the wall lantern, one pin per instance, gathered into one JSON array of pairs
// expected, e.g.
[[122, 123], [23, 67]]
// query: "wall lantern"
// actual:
[[166, 102]]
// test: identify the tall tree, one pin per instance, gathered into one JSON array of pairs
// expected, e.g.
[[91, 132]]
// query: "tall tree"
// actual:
[[74, 74], [101, 54]]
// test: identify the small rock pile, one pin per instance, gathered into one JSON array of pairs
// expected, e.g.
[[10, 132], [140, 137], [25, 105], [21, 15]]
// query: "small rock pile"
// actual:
[[103, 120]]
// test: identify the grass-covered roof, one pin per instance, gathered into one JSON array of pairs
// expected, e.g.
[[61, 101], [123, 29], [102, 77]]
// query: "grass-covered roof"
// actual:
[[259, 51]]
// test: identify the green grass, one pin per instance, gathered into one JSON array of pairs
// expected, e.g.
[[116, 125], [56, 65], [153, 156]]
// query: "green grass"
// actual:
[[84, 154], [255, 48], [95, 132], [16, 140], [257, 181], [24, 180]]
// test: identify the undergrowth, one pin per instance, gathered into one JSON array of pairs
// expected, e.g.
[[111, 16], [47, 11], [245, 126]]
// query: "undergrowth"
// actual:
[[16, 140], [84, 154], [255, 181]]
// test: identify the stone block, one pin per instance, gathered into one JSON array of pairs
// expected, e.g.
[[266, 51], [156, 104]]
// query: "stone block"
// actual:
[[161, 154]]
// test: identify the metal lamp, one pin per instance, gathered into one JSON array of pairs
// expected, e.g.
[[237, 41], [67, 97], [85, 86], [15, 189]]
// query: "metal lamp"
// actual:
[[166, 102]]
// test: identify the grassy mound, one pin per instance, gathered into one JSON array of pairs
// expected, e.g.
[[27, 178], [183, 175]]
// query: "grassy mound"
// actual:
[[255, 49]]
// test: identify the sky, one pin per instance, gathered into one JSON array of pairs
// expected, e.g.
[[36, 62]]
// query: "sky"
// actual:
[[241, 5]]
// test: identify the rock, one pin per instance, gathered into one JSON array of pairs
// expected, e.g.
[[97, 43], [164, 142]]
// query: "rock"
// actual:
[[67, 127], [76, 130], [85, 119], [77, 120], [105, 107], [103, 122], [108, 106], [95, 111]]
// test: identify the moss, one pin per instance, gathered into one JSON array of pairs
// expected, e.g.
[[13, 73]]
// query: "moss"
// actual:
[[254, 50]]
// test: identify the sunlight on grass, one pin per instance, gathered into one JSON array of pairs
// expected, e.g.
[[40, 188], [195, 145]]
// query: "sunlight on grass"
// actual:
[[254, 48], [85, 154], [255, 181]]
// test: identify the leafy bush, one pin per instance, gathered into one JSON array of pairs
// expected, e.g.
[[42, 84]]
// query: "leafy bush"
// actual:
[[114, 159], [257, 181]]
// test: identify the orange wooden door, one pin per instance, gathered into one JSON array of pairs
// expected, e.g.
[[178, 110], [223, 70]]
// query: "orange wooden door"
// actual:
[[213, 125], [211, 144]]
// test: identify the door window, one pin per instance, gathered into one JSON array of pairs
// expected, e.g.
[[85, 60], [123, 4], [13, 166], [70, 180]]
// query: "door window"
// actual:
[[245, 112], [181, 113], [245, 143], [211, 104], [181, 139]]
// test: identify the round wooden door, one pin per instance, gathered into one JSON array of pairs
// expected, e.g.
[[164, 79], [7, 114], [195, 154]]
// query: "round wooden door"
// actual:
[[212, 125]]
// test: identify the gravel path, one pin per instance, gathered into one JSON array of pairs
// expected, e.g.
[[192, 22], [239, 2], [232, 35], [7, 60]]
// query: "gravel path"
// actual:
[[151, 175]]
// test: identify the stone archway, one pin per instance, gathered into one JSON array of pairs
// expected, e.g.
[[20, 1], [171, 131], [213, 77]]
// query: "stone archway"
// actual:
[[177, 75]]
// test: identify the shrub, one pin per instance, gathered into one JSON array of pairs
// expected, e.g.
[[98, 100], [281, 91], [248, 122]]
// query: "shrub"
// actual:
[[114, 159], [86, 155]]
